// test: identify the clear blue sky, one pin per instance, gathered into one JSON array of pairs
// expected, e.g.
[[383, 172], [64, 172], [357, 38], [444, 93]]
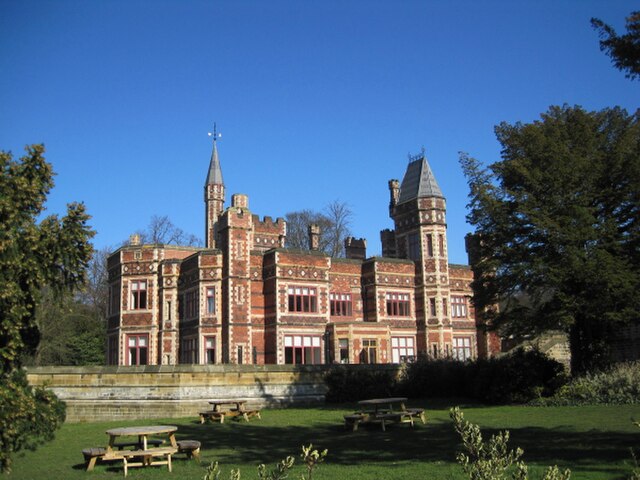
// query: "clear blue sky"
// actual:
[[316, 100]]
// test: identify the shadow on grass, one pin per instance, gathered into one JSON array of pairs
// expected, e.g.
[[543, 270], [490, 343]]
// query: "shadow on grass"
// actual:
[[254, 443]]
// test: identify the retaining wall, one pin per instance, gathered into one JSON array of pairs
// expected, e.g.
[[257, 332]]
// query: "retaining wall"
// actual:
[[110, 393]]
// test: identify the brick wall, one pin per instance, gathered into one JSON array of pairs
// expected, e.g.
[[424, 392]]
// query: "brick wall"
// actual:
[[108, 393]]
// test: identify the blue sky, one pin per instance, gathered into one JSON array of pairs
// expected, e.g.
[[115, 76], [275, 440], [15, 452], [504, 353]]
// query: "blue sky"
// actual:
[[316, 100]]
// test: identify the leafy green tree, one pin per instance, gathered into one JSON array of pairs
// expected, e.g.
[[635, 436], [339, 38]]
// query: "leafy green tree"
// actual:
[[52, 253], [558, 221], [624, 50]]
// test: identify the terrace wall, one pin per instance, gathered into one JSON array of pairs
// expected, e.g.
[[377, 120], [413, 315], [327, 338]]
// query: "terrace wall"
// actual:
[[170, 391]]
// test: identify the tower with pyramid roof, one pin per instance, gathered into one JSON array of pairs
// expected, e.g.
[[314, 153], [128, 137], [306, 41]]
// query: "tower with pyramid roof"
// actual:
[[418, 210]]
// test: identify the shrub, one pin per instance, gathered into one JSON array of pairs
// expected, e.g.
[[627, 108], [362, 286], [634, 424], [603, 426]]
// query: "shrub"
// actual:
[[515, 378], [310, 457], [493, 460], [618, 385], [354, 382], [28, 416]]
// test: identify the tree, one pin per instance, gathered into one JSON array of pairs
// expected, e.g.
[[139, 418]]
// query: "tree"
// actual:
[[53, 253], [161, 230], [624, 50], [334, 228], [558, 223]]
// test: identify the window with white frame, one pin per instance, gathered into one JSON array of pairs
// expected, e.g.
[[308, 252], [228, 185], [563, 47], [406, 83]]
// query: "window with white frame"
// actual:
[[343, 345], [462, 348], [210, 350], [302, 349], [138, 349], [402, 349], [340, 304], [302, 299], [211, 300], [369, 352], [138, 289], [397, 304], [459, 307]]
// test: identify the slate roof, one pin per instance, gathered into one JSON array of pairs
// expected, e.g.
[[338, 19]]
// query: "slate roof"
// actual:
[[214, 177], [419, 182]]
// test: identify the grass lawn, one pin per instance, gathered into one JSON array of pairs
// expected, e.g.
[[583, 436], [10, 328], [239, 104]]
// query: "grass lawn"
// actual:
[[592, 441]]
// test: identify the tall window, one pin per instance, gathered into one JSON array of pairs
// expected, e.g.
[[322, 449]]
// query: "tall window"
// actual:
[[210, 350], [369, 353], [441, 245], [188, 353], [397, 304], [138, 294], [462, 348], [191, 304], [444, 307], [402, 349], [302, 299], [430, 245], [240, 351], [138, 349], [113, 351], [340, 304], [458, 307], [114, 299], [432, 306], [211, 300], [413, 241], [302, 349], [343, 343]]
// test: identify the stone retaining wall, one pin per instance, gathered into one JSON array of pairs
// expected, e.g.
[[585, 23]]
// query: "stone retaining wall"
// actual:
[[108, 393]]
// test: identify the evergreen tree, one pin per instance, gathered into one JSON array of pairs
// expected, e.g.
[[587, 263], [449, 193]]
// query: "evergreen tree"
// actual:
[[558, 223], [624, 50], [52, 253]]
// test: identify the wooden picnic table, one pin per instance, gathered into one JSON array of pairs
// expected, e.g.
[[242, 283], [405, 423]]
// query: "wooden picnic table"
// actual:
[[236, 408], [377, 403], [143, 448], [383, 411]]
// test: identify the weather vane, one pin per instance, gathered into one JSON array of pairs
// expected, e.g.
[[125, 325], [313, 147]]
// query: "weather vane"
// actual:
[[215, 133]]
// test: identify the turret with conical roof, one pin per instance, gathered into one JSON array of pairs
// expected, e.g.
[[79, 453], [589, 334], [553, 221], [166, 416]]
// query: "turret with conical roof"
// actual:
[[213, 195]]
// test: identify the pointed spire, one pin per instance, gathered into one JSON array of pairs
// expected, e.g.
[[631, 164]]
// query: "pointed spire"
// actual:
[[214, 176], [418, 181]]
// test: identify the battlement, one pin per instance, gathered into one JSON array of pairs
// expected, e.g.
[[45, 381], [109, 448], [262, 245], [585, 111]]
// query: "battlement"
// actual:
[[355, 248]]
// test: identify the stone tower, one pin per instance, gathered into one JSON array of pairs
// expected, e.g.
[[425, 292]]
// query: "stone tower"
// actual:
[[213, 197], [418, 210]]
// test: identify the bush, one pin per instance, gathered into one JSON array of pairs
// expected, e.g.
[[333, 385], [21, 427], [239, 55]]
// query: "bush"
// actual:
[[492, 459], [618, 385], [28, 416], [354, 382], [515, 378]]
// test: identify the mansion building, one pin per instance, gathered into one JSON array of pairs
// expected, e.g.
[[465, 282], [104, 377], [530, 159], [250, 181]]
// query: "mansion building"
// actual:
[[247, 299]]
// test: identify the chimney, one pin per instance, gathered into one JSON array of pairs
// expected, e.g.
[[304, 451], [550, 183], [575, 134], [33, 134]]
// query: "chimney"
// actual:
[[314, 236], [394, 192], [239, 200], [388, 239], [134, 240], [355, 248]]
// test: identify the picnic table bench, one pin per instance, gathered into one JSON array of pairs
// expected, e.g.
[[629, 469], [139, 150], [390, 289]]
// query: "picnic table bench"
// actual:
[[238, 409], [384, 411], [145, 457]]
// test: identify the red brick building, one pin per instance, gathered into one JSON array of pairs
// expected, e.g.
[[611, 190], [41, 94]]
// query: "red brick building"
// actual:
[[245, 298]]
